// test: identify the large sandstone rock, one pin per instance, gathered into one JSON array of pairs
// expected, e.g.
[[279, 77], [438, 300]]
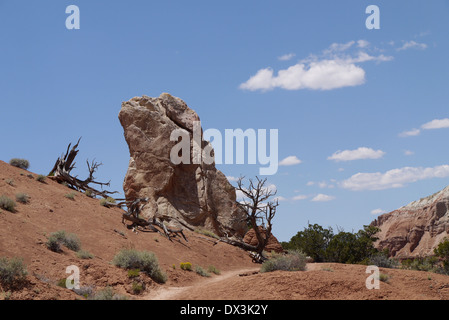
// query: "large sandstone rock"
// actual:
[[272, 245], [416, 229], [195, 195]]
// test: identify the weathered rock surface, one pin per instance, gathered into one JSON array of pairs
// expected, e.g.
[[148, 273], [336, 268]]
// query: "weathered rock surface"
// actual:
[[416, 229], [193, 195], [272, 245]]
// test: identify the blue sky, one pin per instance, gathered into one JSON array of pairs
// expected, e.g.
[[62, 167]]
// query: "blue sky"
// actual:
[[365, 111]]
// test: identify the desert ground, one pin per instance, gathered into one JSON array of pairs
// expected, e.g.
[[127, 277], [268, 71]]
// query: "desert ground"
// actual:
[[24, 234]]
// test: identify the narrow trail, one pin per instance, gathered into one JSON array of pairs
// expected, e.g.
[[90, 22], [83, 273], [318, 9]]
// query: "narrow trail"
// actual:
[[173, 293]]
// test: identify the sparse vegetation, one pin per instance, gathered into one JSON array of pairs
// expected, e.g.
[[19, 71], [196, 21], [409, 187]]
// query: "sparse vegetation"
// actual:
[[430, 264], [384, 277], [442, 251], [107, 294], [199, 270], [70, 195], [137, 287], [22, 198], [207, 233], [293, 261], [133, 273], [83, 254], [186, 266], [143, 260], [20, 163], [41, 178], [10, 182], [56, 239], [214, 270], [12, 272], [7, 204], [106, 202]]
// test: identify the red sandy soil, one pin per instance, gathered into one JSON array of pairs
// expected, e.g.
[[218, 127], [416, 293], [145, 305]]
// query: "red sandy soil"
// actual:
[[24, 234]]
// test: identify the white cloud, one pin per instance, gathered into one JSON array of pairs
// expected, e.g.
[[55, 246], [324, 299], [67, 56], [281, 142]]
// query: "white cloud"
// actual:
[[412, 44], [358, 154], [332, 70], [320, 75], [310, 183], [323, 198], [290, 161], [378, 211], [411, 133], [232, 179], [431, 125], [299, 197], [436, 124], [287, 57], [362, 43], [408, 153], [396, 178], [280, 198]]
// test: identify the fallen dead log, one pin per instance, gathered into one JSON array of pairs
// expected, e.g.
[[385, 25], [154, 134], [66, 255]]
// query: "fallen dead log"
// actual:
[[65, 164]]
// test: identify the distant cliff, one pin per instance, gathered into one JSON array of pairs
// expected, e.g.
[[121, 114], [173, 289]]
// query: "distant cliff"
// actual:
[[417, 228]]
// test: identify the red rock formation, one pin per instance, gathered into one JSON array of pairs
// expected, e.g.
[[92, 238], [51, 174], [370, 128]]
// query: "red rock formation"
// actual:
[[273, 243], [416, 229]]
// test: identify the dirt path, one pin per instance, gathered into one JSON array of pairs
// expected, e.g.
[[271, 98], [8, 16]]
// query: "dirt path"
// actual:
[[173, 293]]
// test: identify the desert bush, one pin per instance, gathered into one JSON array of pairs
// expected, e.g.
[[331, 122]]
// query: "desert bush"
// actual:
[[137, 287], [20, 163], [429, 264], [56, 239], [384, 277], [213, 270], [83, 254], [133, 273], [7, 204], [22, 198], [293, 261], [88, 193], [41, 178], [10, 182], [145, 261], [186, 266], [442, 251], [107, 294], [383, 261], [207, 233], [70, 195], [199, 270], [85, 291], [12, 272]]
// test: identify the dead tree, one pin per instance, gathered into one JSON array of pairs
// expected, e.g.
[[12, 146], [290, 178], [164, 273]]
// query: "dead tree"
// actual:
[[66, 163], [134, 208], [259, 210]]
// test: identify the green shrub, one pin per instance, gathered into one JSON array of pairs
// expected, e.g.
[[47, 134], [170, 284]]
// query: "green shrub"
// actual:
[[293, 261], [442, 251], [7, 204], [207, 233], [70, 195], [41, 178], [201, 272], [133, 273], [107, 294], [213, 270], [20, 163], [383, 261], [22, 198], [137, 287], [62, 283], [106, 202], [145, 261], [89, 193], [186, 266], [83, 254], [384, 277], [12, 272], [56, 239]]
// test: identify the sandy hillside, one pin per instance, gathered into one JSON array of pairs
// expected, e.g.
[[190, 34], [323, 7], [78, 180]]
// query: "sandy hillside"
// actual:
[[24, 234]]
